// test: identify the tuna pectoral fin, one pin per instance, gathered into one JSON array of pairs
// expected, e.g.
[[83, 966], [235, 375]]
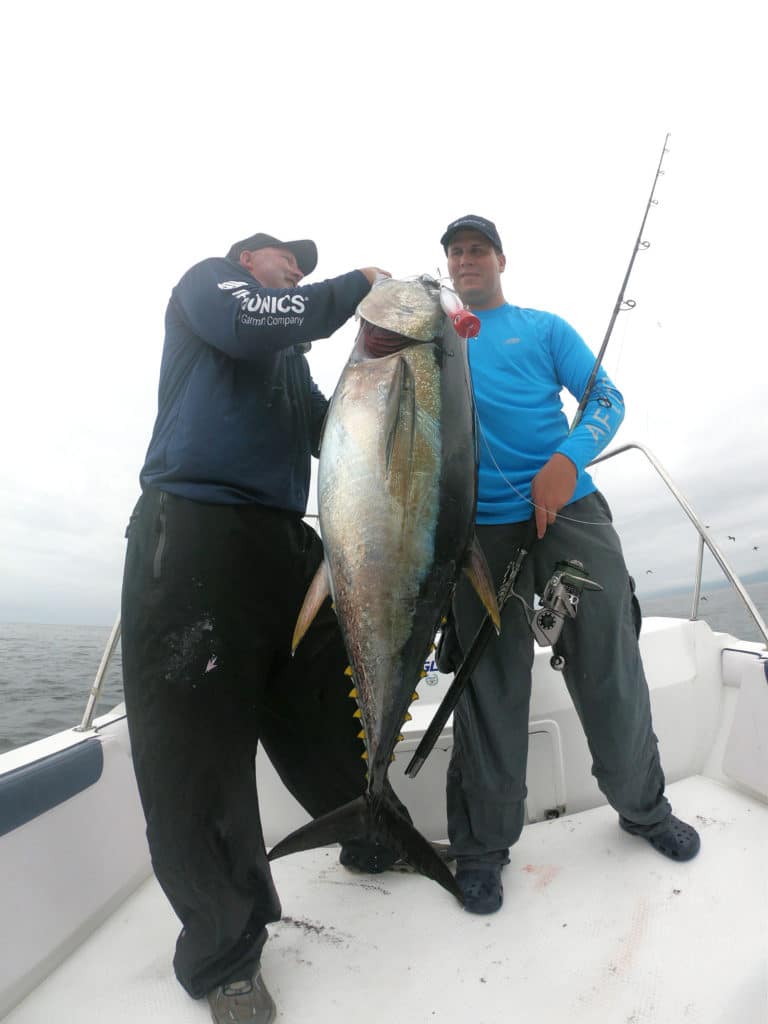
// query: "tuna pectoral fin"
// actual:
[[375, 820], [479, 575], [317, 593], [399, 423]]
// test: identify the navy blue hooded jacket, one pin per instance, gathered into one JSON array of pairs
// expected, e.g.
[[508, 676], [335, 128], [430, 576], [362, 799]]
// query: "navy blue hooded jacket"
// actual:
[[238, 412]]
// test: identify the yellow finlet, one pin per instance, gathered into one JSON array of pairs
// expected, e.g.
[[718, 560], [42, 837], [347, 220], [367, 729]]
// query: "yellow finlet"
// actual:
[[415, 696], [358, 713], [364, 755], [352, 692], [408, 717], [361, 734]]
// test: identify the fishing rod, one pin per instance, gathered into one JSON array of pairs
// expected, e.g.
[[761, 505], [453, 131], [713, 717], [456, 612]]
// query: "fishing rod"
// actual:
[[562, 593], [620, 302]]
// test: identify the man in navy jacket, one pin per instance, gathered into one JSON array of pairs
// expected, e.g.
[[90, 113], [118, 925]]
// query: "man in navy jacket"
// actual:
[[218, 562]]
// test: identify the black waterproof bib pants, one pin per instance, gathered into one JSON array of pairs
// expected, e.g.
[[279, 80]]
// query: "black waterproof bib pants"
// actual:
[[211, 594]]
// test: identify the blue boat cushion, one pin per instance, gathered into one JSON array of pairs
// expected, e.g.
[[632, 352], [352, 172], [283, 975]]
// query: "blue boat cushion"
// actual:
[[34, 788]]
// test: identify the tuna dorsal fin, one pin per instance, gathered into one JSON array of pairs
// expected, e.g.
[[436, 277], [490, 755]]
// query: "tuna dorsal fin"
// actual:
[[476, 568], [317, 593]]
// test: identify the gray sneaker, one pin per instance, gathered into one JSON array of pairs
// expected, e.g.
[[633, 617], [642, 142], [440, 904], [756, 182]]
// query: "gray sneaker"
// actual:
[[246, 1000]]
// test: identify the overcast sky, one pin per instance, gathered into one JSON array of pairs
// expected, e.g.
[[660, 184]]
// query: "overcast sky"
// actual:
[[139, 139]]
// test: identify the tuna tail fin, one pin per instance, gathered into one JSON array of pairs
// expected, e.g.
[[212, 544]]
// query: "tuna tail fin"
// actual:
[[347, 822], [376, 819], [476, 568], [317, 593], [394, 830]]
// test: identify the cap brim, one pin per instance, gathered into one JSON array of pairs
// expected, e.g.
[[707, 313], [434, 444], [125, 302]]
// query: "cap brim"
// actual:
[[471, 225], [305, 252], [304, 249]]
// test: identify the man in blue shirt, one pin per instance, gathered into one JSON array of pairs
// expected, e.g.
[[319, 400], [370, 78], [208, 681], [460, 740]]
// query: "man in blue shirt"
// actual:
[[218, 562], [530, 464]]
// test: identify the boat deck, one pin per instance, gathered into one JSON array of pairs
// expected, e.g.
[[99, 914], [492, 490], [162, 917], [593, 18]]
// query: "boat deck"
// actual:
[[596, 927]]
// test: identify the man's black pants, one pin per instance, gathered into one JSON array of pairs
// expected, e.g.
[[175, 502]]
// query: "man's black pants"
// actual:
[[211, 594]]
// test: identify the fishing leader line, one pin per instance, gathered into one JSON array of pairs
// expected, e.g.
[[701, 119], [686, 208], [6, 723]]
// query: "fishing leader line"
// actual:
[[519, 493]]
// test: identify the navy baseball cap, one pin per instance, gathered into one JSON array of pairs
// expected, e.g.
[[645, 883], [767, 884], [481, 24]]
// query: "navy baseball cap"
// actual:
[[471, 222], [304, 250]]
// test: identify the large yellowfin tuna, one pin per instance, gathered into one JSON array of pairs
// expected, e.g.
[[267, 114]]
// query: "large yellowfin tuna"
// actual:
[[396, 495]]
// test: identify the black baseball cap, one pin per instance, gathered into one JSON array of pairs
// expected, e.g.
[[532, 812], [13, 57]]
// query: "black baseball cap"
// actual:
[[304, 250], [471, 222]]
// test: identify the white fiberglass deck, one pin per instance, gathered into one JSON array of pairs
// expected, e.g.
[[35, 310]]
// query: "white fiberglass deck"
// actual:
[[596, 927]]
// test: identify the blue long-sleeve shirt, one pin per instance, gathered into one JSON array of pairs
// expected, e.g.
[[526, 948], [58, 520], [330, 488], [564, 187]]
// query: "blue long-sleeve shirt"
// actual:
[[520, 362], [239, 415]]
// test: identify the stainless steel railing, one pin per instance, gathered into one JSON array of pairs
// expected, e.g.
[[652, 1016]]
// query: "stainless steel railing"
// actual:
[[95, 692], [704, 539]]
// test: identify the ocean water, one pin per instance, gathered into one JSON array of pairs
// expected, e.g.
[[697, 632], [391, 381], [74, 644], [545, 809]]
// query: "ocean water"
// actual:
[[720, 606], [46, 672]]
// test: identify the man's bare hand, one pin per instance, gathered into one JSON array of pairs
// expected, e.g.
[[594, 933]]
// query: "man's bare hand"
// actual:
[[374, 274], [551, 488]]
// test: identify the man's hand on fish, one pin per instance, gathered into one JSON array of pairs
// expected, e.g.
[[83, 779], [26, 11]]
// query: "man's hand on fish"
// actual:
[[374, 274], [551, 489]]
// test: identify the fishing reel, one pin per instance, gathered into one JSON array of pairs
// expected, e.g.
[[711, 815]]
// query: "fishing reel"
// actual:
[[560, 601]]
